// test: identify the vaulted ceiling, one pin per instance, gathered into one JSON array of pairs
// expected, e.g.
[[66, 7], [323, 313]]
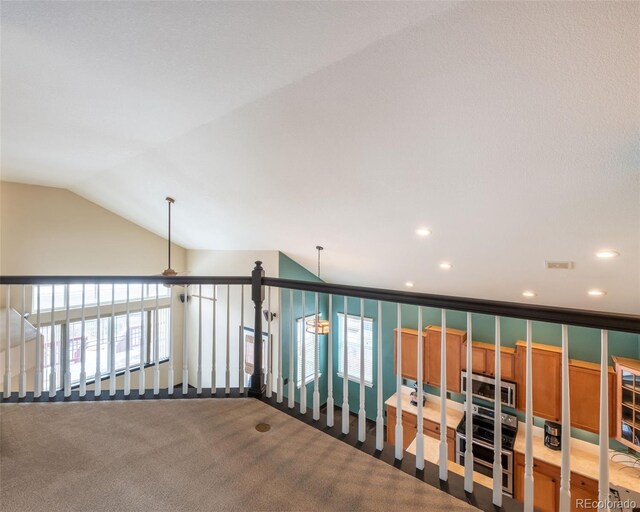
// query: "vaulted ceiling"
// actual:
[[511, 130]]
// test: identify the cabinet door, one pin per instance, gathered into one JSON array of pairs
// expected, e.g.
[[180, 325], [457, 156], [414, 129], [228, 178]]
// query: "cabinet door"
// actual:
[[409, 429], [546, 490], [547, 382], [409, 353], [391, 425], [507, 364], [432, 353], [582, 488], [584, 390], [479, 364], [451, 444]]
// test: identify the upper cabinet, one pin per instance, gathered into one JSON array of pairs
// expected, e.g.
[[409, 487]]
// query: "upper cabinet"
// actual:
[[628, 401], [409, 356], [546, 378], [455, 340], [484, 360], [584, 396]]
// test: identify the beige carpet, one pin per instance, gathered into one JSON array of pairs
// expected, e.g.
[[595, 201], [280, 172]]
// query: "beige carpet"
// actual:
[[177, 455]]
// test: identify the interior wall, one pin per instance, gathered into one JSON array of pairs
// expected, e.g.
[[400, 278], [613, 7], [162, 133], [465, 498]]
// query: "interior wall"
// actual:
[[52, 231]]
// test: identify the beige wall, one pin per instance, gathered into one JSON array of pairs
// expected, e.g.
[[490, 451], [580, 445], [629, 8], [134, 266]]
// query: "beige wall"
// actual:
[[46, 230]]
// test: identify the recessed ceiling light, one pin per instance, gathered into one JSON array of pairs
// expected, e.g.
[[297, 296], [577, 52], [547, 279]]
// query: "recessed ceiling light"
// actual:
[[445, 265], [409, 284], [528, 293], [596, 293], [423, 231], [607, 253]]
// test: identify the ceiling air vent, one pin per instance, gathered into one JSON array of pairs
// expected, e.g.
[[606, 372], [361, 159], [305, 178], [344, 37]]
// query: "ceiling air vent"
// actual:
[[565, 265]]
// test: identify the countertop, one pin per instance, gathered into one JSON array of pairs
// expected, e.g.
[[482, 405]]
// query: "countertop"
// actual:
[[431, 410]]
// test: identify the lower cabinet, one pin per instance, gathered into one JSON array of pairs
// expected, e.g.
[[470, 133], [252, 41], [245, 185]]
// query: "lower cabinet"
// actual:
[[546, 486]]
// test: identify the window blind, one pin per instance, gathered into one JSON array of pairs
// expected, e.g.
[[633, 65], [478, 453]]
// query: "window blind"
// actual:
[[353, 348]]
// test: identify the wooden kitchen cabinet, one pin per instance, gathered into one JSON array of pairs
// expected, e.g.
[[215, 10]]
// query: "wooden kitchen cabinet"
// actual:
[[484, 362], [546, 377], [409, 427], [432, 429], [409, 361], [582, 488], [546, 484], [455, 340], [584, 396], [628, 401]]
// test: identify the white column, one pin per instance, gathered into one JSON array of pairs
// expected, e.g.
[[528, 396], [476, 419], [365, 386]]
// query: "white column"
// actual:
[[303, 366], [497, 421], [142, 344], [227, 371], [112, 344], [292, 389], [379, 415], [330, 403], [420, 426], [156, 345], [185, 343], [37, 389], [97, 383], [528, 433], [443, 455], [316, 355], [83, 346], [468, 452], [67, 353], [22, 383], [565, 466], [52, 352], [345, 371], [127, 369], [199, 369], [269, 354], [241, 375], [170, 376], [603, 470], [214, 327], [279, 383], [399, 440], [7, 358], [362, 415]]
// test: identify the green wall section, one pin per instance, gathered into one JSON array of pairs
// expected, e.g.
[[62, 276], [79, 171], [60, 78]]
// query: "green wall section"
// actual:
[[289, 269]]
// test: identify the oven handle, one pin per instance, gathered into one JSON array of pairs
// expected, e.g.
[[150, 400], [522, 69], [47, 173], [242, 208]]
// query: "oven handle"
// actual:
[[490, 446]]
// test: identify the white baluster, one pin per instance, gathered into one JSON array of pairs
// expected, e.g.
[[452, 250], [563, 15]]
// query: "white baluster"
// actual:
[[420, 426], [214, 327], [52, 349], [379, 416], [330, 402], [444, 473], [497, 421], [241, 374], [67, 353], [291, 393], [7, 357], [603, 470], [112, 344], [227, 373], [156, 345], [185, 343], [97, 384], [83, 346], [142, 345], [468, 452], [127, 361], [303, 366], [170, 375], [528, 450], [316, 354], [269, 354], [399, 440], [37, 389], [565, 466], [199, 370], [362, 415], [22, 383], [279, 382], [345, 371]]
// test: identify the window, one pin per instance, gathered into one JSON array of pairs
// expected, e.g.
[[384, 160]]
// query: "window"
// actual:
[[354, 338], [309, 351]]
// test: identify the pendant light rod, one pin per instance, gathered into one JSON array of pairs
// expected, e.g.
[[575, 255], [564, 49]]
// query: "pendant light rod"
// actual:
[[170, 201], [319, 248]]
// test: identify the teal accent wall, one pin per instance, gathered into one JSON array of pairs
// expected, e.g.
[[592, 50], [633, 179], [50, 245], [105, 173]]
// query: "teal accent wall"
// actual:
[[289, 269]]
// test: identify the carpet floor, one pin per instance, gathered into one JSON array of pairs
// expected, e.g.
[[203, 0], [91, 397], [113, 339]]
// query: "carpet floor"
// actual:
[[190, 455]]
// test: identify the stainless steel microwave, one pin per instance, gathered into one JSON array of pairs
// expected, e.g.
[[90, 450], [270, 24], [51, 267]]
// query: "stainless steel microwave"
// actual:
[[485, 387]]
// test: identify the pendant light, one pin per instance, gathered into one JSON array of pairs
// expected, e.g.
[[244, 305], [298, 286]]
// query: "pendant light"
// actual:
[[316, 325]]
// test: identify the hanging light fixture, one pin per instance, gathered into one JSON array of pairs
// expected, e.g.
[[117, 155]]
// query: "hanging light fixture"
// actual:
[[316, 325]]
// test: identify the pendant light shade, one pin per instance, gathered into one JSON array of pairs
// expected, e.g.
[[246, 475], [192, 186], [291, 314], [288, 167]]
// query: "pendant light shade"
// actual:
[[316, 325]]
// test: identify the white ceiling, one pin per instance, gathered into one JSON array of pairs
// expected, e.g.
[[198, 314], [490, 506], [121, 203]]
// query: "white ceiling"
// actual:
[[510, 129]]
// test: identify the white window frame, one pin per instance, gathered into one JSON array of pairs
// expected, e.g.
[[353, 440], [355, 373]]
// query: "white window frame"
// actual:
[[353, 325], [309, 351]]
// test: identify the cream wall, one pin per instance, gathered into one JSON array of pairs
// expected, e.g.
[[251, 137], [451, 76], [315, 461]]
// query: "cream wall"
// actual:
[[51, 231]]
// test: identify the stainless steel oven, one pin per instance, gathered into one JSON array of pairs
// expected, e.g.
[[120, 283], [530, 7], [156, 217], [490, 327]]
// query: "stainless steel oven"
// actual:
[[483, 461], [485, 387]]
